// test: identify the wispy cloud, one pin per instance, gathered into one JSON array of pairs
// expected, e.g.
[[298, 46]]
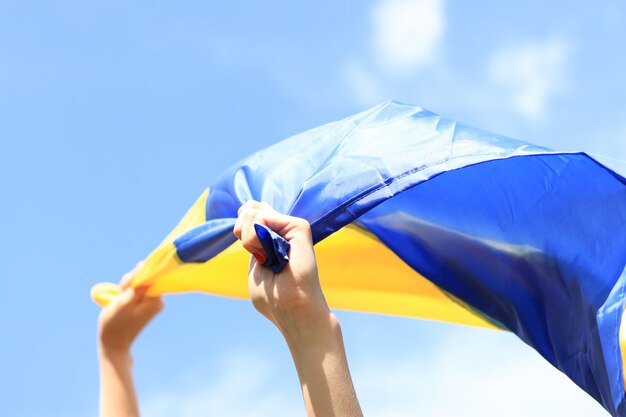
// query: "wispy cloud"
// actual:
[[245, 384], [469, 372], [474, 374], [406, 37], [531, 74], [407, 33]]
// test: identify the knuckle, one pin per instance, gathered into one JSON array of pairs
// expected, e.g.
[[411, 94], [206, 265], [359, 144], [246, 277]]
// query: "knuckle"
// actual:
[[250, 204], [262, 306], [303, 224], [260, 217], [249, 244], [249, 214], [258, 303]]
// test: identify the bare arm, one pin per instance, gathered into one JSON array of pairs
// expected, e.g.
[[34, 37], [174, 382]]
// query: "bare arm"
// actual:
[[322, 366], [117, 391], [294, 302], [119, 324]]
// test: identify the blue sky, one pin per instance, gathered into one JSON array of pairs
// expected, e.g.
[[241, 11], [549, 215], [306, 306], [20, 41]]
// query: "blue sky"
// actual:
[[114, 116]]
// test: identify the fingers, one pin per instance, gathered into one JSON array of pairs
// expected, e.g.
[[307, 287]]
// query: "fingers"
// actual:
[[254, 212], [129, 296], [133, 304], [251, 213], [289, 227], [247, 211], [127, 278]]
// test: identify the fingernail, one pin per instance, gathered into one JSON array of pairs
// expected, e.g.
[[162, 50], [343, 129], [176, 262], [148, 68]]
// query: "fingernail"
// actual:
[[259, 257]]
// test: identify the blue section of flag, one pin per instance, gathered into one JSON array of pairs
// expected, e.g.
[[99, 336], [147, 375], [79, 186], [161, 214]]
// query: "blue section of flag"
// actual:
[[206, 241], [537, 243], [532, 238]]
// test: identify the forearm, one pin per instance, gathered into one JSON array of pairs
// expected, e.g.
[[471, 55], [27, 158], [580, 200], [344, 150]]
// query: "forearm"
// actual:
[[117, 392], [319, 355]]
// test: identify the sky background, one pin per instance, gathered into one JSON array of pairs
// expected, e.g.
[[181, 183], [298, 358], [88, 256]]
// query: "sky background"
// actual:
[[116, 115]]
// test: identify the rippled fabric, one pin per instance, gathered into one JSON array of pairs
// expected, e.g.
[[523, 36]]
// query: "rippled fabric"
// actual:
[[512, 235], [275, 247], [334, 173]]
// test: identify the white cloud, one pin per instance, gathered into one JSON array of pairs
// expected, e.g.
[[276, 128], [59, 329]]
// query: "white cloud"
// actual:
[[244, 385], [407, 33], [474, 373], [531, 74], [463, 371], [406, 37]]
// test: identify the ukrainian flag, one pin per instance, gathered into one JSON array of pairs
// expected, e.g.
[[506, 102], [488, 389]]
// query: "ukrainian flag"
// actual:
[[417, 215]]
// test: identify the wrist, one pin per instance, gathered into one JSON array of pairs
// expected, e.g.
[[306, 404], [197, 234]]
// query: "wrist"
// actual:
[[320, 360], [115, 355], [312, 333]]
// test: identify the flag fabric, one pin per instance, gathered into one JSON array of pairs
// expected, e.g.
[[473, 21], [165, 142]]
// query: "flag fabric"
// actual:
[[417, 215]]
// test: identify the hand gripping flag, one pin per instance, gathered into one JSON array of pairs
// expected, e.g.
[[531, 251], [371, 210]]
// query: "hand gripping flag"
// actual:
[[416, 215]]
